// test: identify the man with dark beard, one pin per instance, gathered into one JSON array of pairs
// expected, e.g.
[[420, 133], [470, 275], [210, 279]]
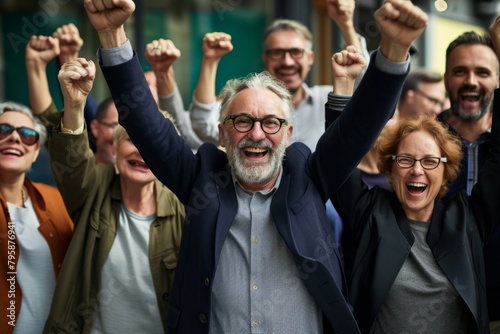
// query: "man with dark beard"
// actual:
[[257, 251], [472, 74]]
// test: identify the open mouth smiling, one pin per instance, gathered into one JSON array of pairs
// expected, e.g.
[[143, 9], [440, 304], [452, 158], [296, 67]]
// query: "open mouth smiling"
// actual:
[[470, 96], [416, 188], [255, 152], [138, 164], [10, 151]]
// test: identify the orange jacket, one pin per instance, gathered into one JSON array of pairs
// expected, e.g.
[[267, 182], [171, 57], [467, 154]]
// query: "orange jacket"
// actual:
[[57, 228]]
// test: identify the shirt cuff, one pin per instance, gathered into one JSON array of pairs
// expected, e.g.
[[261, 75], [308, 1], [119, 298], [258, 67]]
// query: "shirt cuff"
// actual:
[[338, 102], [115, 56], [78, 131], [390, 66]]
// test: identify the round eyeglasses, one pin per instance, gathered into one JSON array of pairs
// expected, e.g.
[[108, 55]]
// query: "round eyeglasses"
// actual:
[[427, 163], [276, 54], [244, 123], [28, 136]]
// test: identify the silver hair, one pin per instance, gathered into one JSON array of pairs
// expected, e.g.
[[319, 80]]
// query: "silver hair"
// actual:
[[253, 81], [286, 24], [18, 107]]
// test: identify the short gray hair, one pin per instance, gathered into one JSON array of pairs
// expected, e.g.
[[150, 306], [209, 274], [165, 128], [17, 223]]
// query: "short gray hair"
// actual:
[[286, 24], [253, 81], [18, 107]]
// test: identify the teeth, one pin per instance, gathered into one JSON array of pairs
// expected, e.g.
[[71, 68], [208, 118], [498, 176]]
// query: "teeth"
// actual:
[[12, 151], [137, 163], [255, 150], [472, 94], [417, 185]]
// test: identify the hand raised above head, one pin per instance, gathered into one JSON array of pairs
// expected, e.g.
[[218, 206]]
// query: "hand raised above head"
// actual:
[[76, 79], [108, 17], [161, 54], [400, 23], [70, 42], [347, 65], [216, 45], [341, 11], [42, 49]]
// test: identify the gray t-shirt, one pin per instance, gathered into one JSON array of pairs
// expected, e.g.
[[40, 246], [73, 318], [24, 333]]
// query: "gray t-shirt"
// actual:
[[421, 299], [127, 299]]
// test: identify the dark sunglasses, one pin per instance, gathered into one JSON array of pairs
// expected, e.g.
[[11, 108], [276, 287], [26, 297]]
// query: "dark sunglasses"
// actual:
[[28, 135]]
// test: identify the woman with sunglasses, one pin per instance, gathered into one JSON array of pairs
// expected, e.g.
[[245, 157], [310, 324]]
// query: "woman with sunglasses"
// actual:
[[417, 262], [35, 228]]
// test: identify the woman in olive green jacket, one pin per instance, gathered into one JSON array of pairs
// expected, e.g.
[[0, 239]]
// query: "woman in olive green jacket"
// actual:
[[120, 264]]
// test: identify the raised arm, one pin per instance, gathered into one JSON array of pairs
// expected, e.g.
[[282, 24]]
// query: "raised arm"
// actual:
[[342, 13], [204, 109], [347, 65], [70, 42], [400, 24], [161, 55], [76, 79], [375, 99], [163, 150], [108, 19], [40, 50], [215, 46], [72, 161]]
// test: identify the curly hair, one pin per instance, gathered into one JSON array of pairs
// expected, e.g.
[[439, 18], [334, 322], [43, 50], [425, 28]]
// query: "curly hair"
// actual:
[[450, 145]]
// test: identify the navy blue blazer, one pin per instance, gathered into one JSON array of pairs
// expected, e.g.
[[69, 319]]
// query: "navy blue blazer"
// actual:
[[203, 183]]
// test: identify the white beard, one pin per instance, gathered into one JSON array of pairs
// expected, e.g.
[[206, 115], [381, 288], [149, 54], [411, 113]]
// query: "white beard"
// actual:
[[255, 172]]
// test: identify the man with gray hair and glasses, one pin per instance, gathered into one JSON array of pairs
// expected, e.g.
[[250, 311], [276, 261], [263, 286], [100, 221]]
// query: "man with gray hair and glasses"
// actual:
[[257, 252]]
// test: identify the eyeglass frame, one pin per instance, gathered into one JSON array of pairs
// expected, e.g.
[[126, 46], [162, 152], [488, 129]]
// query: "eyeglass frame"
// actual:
[[21, 135], [256, 119], [109, 125], [283, 52], [439, 159], [430, 98]]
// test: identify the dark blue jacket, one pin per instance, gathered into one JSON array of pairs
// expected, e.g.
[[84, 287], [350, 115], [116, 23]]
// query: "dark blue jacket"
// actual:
[[203, 183]]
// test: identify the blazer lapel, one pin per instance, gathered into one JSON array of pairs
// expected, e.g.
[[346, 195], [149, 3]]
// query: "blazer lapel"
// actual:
[[227, 211]]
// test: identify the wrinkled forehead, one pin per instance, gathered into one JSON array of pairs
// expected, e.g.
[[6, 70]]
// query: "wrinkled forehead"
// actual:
[[257, 102]]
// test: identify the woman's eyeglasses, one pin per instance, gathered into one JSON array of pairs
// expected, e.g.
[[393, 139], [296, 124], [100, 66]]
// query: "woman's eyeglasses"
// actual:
[[427, 163], [28, 136]]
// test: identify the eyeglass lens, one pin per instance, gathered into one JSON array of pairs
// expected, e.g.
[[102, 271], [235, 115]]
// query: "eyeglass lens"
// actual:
[[426, 163], [28, 136], [244, 123], [295, 53]]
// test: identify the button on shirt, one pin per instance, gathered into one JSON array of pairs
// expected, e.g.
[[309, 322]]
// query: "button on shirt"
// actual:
[[256, 288]]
